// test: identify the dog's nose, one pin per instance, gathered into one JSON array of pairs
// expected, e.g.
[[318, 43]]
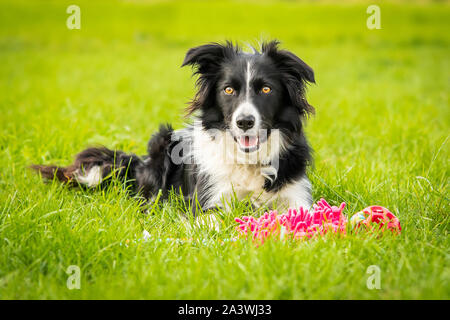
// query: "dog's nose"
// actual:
[[245, 122]]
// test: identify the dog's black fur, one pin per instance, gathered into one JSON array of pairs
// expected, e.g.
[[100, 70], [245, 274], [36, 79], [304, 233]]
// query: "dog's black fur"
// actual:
[[218, 66]]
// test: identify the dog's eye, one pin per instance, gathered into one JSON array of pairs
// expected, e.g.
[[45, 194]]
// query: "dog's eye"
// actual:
[[228, 90], [266, 90]]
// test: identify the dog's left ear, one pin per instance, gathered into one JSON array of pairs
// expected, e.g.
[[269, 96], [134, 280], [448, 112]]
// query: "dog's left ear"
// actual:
[[296, 74]]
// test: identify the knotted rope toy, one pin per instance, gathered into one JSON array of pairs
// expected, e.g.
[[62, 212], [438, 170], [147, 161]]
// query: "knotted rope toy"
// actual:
[[323, 218], [297, 224]]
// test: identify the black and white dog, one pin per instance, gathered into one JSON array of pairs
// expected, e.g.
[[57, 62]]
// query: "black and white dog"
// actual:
[[245, 139]]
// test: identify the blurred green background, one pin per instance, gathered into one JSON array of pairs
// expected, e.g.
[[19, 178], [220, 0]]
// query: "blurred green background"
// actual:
[[380, 136]]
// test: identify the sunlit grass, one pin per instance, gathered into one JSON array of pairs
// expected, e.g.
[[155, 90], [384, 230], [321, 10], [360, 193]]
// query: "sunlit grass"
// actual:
[[380, 136]]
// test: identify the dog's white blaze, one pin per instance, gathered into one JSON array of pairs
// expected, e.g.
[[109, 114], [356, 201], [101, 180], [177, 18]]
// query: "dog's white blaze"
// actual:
[[91, 178], [247, 108], [248, 77]]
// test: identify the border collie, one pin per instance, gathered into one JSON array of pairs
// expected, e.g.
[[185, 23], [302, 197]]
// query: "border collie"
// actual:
[[244, 140]]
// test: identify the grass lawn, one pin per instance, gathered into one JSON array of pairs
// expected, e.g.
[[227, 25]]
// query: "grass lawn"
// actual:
[[380, 135]]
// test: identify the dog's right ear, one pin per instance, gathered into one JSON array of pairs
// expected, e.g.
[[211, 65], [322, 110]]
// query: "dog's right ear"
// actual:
[[208, 57], [206, 61]]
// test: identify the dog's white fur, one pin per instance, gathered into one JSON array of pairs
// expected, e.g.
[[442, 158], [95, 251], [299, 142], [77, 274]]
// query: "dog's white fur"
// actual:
[[233, 172], [92, 178]]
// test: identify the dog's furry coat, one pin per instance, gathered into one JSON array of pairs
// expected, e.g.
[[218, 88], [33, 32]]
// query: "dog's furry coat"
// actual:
[[223, 152]]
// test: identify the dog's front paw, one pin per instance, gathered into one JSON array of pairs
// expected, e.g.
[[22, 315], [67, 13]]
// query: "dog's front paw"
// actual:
[[209, 221]]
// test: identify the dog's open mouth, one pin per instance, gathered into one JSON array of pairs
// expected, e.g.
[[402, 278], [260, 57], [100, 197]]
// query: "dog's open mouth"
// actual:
[[248, 143]]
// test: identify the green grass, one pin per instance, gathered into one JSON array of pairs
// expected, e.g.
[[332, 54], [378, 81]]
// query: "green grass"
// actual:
[[380, 137]]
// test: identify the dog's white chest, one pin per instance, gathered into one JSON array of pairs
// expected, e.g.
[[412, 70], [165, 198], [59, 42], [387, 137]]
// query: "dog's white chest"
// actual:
[[245, 180], [231, 176]]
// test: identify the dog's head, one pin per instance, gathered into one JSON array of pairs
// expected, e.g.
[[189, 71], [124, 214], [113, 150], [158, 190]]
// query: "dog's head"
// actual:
[[247, 93]]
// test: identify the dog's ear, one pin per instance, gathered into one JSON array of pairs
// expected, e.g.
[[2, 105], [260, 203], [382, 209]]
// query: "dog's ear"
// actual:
[[296, 74], [208, 56], [206, 60]]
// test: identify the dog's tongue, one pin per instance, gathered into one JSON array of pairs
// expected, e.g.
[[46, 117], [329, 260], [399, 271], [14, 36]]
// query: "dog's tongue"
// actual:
[[248, 142]]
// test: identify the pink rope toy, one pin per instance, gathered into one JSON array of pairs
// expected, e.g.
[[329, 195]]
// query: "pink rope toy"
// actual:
[[298, 224], [295, 224]]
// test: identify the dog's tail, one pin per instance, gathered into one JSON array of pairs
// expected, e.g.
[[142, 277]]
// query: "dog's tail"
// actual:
[[93, 167]]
